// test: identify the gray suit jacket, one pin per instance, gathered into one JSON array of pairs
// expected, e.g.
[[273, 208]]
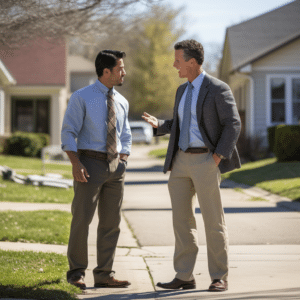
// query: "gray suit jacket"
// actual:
[[218, 121]]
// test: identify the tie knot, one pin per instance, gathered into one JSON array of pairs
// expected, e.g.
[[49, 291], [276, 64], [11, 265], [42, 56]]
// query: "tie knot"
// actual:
[[190, 85], [110, 93]]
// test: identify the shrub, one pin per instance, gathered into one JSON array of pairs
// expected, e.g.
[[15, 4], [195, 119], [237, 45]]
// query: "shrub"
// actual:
[[250, 148], [271, 138], [287, 143], [26, 144]]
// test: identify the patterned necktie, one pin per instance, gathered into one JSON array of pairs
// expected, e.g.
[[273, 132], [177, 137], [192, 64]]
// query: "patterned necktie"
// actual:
[[185, 128], [111, 142]]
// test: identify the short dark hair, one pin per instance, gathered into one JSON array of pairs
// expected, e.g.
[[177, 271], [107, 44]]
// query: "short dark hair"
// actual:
[[191, 49], [107, 59]]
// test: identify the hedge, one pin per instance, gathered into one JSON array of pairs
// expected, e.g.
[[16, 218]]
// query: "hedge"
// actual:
[[287, 143], [26, 144]]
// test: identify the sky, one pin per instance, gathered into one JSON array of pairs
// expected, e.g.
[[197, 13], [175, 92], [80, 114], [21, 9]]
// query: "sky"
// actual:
[[206, 21]]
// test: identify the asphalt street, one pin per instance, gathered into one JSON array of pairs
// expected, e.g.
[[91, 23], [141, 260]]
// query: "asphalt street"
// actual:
[[147, 208]]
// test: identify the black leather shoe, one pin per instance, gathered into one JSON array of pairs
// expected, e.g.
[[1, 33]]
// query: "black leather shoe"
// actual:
[[77, 281], [176, 284]]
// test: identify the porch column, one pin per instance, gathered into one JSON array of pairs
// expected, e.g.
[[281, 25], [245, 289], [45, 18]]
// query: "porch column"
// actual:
[[2, 99]]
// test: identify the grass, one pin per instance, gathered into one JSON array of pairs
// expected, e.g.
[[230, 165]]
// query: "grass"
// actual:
[[29, 165], [159, 153], [35, 275], [48, 227], [278, 178], [257, 199], [14, 192]]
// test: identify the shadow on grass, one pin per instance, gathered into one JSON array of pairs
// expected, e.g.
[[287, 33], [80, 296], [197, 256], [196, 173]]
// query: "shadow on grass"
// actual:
[[35, 292], [273, 171]]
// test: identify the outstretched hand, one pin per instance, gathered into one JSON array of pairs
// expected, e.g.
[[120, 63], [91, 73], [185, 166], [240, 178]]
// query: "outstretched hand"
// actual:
[[150, 119]]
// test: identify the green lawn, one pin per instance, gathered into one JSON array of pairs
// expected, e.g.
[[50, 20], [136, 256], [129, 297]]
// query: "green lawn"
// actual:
[[29, 165], [278, 178], [35, 275], [48, 227], [14, 192]]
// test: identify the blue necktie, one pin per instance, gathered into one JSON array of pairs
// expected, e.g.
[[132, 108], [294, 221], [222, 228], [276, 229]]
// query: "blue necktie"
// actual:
[[185, 128]]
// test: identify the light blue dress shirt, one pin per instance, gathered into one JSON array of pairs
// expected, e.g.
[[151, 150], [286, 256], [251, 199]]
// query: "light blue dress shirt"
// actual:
[[86, 120], [196, 139]]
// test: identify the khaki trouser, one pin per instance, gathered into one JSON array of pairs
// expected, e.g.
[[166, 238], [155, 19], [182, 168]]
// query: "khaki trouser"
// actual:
[[104, 188], [191, 174]]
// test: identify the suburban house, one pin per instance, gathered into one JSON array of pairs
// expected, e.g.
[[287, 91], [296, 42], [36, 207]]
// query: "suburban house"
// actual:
[[36, 82], [261, 64]]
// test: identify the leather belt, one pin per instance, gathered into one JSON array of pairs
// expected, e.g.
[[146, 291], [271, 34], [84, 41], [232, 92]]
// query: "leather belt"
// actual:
[[93, 154], [196, 150]]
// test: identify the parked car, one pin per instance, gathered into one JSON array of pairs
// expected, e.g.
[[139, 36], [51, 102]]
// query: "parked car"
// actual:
[[142, 132]]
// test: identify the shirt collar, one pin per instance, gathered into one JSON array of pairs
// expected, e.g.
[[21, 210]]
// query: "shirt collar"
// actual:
[[104, 89], [198, 80]]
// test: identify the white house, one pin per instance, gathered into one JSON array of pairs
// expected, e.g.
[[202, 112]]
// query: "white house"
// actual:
[[261, 64]]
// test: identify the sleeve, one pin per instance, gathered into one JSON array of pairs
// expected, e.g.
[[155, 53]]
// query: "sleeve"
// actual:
[[230, 122], [72, 123], [126, 139]]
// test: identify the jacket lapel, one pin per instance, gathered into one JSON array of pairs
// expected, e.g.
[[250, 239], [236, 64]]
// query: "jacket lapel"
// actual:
[[201, 97]]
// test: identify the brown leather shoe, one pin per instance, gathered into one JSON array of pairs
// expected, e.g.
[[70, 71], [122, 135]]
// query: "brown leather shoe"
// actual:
[[218, 285], [77, 281], [112, 283], [176, 284]]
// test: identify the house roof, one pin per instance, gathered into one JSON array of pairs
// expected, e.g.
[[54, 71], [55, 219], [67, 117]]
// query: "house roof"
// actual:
[[38, 63], [80, 64], [252, 39], [5, 77]]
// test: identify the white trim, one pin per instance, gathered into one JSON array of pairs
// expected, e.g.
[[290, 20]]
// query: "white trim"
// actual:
[[250, 109], [2, 113], [246, 69], [288, 97], [6, 73], [287, 69]]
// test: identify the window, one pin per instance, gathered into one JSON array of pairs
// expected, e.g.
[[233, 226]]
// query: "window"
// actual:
[[277, 100], [283, 99], [30, 115]]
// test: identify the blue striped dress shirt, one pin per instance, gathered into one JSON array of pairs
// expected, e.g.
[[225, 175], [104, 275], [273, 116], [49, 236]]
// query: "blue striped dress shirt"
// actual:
[[86, 120]]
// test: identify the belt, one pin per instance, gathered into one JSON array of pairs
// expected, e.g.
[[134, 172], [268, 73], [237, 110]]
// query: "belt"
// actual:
[[93, 154], [196, 150]]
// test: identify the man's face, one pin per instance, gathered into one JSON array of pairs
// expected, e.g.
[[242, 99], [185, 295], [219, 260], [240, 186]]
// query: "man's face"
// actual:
[[181, 65], [117, 74]]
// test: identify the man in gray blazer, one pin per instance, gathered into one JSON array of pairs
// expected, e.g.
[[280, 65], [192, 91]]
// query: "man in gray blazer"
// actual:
[[204, 131]]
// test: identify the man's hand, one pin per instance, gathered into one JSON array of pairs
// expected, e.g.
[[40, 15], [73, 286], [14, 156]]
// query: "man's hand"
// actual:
[[216, 158], [79, 172], [150, 119], [123, 156], [78, 169]]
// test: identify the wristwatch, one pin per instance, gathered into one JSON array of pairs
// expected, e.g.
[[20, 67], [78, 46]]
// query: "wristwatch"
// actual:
[[220, 156], [124, 161]]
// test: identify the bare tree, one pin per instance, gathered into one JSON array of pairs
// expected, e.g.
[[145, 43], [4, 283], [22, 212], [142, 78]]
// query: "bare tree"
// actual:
[[23, 20]]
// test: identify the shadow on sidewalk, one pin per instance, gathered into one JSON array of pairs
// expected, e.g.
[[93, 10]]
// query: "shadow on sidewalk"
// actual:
[[156, 168], [286, 294]]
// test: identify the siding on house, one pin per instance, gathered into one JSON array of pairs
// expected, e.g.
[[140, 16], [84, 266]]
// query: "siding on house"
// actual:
[[285, 57]]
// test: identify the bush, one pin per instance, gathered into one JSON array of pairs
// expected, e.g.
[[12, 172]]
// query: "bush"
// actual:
[[287, 143], [271, 138], [250, 148], [26, 144]]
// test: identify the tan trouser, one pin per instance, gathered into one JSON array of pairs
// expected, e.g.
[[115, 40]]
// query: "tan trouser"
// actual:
[[191, 174], [104, 188]]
